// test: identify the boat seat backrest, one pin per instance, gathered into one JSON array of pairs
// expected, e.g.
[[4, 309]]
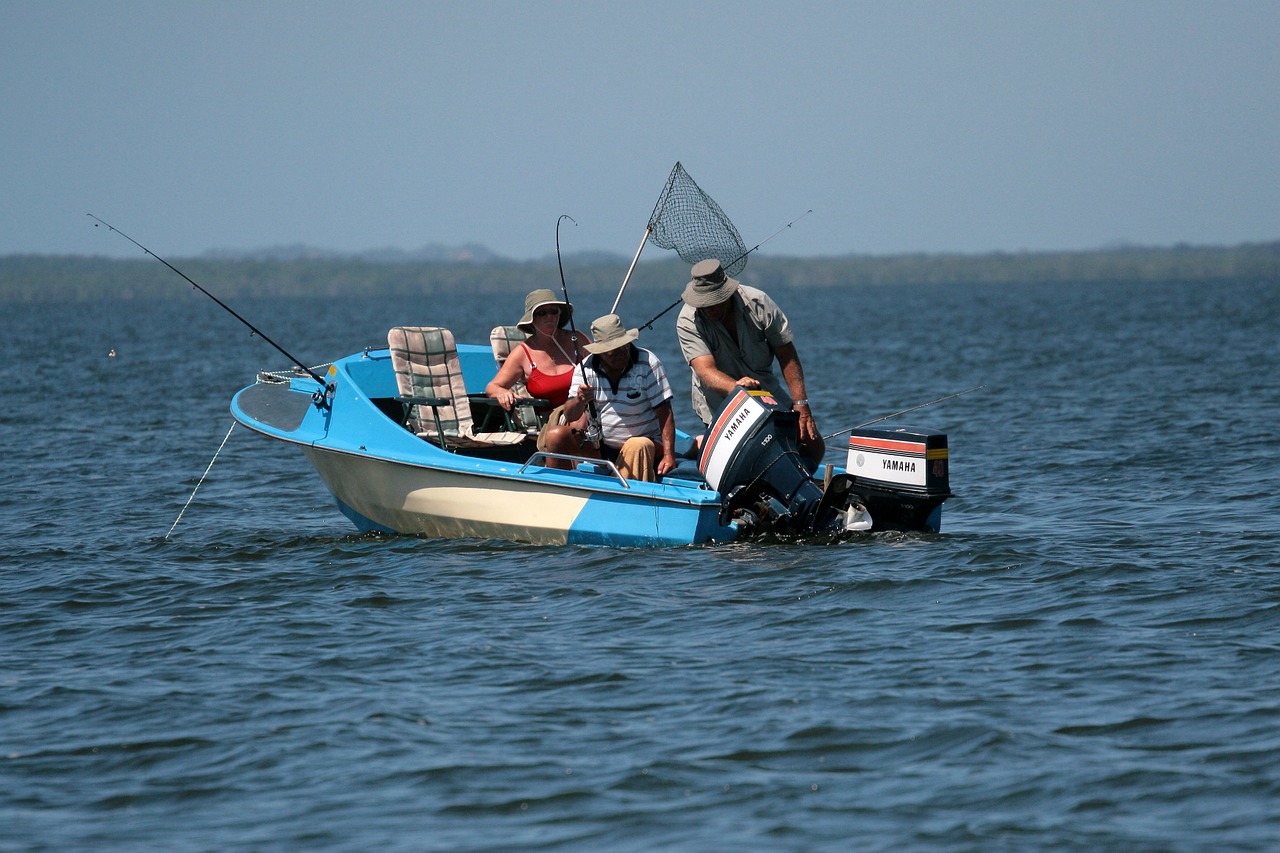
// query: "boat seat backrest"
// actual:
[[426, 364], [504, 339]]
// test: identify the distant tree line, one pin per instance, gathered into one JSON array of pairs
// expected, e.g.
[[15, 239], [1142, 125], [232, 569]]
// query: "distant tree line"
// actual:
[[42, 278]]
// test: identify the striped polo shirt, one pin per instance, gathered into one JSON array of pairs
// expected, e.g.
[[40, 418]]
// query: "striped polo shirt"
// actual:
[[627, 411]]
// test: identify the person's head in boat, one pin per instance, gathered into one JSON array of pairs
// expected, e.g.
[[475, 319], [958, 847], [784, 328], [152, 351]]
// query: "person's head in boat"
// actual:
[[623, 390], [543, 362], [709, 288], [611, 341], [540, 307]]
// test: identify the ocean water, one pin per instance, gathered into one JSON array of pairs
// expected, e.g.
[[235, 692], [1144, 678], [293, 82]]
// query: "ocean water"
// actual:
[[1086, 658]]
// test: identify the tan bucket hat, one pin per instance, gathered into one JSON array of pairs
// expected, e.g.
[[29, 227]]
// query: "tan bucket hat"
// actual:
[[709, 286], [608, 334]]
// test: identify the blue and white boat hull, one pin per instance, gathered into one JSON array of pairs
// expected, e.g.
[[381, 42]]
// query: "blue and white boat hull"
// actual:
[[386, 478]]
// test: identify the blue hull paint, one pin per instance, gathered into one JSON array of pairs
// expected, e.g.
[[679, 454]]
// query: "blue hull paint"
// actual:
[[385, 478], [362, 524]]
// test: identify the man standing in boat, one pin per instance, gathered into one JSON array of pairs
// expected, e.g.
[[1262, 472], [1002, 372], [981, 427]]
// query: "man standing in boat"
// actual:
[[632, 399], [730, 335]]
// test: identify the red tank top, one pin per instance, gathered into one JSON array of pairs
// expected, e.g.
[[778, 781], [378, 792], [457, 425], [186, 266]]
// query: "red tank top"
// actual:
[[544, 386]]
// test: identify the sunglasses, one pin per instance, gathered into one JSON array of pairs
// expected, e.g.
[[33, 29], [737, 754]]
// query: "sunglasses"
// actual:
[[542, 312]]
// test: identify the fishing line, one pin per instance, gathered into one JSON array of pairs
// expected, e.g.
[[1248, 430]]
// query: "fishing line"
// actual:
[[649, 325], [221, 304], [904, 411], [201, 481]]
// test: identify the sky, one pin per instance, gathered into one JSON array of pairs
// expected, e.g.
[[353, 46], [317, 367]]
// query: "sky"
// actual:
[[904, 126]]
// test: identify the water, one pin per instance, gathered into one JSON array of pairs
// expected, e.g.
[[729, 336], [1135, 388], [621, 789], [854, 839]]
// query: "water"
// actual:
[[1086, 658]]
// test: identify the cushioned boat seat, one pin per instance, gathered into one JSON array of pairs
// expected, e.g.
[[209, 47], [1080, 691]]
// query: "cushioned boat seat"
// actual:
[[429, 378], [504, 339]]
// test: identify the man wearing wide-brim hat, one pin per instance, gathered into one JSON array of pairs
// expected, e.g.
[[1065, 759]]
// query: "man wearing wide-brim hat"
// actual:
[[628, 388], [730, 334]]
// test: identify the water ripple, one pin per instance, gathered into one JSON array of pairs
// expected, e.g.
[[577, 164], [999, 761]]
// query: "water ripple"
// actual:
[[1082, 660]]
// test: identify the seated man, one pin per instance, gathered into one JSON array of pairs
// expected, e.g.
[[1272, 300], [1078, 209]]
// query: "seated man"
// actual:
[[626, 388]]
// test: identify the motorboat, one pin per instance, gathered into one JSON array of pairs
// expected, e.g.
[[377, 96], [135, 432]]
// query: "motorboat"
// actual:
[[407, 443]]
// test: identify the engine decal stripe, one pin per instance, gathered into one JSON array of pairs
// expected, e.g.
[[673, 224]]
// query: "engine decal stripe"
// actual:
[[888, 444]]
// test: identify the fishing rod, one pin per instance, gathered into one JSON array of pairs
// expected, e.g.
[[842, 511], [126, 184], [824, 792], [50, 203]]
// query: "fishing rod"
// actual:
[[904, 411], [221, 304], [767, 239], [649, 325], [564, 288], [593, 419]]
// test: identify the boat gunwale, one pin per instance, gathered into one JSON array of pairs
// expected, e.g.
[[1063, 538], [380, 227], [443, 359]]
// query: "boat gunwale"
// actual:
[[691, 495]]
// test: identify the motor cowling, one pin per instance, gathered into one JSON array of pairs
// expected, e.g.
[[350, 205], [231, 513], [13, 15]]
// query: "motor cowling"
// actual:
[[902, 474], [751, 455]]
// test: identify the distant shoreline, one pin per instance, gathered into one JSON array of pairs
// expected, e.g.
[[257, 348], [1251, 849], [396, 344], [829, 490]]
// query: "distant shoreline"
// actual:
[[70, 278]]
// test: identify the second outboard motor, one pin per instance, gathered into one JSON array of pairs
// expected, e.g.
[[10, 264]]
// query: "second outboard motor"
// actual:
[[751, 456], [901, 473]]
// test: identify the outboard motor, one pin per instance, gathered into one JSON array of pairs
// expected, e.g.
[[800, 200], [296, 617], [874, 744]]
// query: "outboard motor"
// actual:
[[752, 457], [895, 479], [900, 475]]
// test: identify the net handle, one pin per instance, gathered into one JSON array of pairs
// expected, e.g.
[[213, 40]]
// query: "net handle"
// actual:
[[631, 269]]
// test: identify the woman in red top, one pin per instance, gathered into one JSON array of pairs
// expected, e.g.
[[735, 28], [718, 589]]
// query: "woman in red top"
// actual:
[[546, 359]]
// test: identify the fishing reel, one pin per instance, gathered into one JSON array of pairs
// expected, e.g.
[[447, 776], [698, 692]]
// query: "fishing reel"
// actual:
[[323, 397]]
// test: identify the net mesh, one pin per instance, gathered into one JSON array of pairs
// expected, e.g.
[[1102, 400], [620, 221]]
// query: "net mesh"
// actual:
[[688, 220]]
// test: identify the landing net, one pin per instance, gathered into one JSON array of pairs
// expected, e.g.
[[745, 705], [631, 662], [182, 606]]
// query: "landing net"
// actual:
[[688, 220]]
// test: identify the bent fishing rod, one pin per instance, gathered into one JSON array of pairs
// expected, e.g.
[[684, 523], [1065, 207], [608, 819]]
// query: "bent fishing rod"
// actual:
[[904, 411], [221, 304], [649, 325], [564, 288], [593, 419]]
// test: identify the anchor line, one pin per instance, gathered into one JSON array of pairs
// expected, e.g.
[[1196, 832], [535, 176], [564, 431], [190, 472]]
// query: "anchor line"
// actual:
[[201, 481]]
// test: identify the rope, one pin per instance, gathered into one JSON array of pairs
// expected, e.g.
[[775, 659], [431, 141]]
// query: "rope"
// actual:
[[202, 476], [277, 377]]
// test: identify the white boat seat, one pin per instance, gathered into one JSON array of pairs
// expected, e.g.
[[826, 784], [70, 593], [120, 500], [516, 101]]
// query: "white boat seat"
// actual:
[[429, 379], [524, 413]]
